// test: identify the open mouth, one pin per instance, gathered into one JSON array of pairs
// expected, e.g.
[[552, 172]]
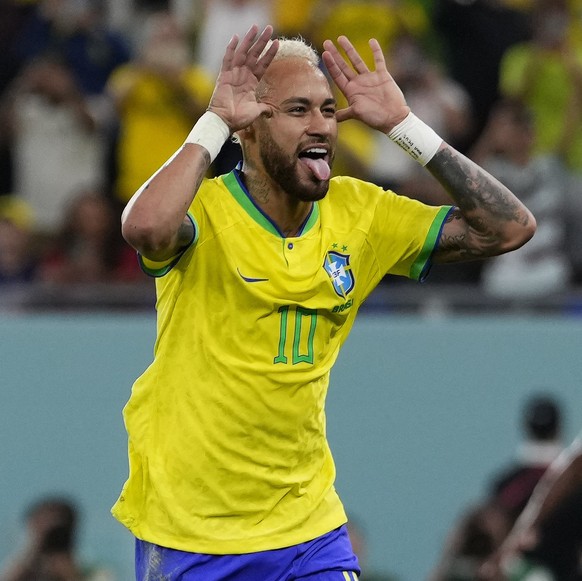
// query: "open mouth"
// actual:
[[317, 160]]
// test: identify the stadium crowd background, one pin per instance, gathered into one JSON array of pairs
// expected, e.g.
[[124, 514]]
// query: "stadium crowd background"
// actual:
[[95, 95]]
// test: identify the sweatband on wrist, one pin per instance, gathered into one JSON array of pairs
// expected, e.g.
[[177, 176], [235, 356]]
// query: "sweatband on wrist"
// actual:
[[416, 138], [210, 131]]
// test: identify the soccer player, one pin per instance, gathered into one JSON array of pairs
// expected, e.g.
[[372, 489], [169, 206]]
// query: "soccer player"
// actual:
[[260, 275]]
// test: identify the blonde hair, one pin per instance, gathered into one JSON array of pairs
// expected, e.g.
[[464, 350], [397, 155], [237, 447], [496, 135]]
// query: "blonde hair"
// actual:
[[296, 47]]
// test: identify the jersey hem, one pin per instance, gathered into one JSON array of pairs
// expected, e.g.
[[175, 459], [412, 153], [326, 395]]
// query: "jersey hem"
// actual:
[[231, 547]]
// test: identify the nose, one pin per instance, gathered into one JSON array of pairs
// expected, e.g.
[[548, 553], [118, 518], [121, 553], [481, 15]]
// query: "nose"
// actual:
[[320, 124]]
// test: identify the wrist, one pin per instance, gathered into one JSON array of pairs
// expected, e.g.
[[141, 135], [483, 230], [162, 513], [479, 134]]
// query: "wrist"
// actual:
[[211, 132], [416, 138]]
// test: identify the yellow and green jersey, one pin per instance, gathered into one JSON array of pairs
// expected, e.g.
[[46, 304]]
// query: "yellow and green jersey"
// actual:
[[227, 443]]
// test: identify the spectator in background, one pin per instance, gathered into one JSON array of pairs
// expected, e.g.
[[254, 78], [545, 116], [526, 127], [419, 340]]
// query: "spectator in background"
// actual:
[[541, 423], [546, 74], [483, 528], [55, 115], [548, 533], [18, 261], [56, 141], [160, 89], [50, 553], [474, 36], [506, 149], [89, 247], [76, 32]]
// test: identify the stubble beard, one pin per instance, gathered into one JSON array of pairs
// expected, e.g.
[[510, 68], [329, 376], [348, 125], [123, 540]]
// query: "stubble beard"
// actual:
[[283, 169]]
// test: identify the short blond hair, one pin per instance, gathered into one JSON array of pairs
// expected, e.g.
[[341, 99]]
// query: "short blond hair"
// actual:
[[296, 47]]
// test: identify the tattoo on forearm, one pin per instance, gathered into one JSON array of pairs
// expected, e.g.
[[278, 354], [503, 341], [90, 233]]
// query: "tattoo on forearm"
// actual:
[[485, 206], [474, 190], [459, 243]]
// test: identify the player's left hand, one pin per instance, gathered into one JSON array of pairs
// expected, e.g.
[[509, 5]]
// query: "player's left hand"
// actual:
[[373, 96]]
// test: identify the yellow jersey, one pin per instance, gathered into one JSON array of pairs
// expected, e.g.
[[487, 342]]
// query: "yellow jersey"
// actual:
[[227, 436]]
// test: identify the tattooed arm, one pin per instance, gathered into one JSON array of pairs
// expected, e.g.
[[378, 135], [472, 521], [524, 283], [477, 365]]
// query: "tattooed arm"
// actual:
[[488, 219]]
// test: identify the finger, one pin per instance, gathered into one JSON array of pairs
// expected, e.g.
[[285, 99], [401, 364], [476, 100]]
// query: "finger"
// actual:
[[241, 52], [261, 42], [266, 59], [337, 58], [378, 53], [229, 54], [337, 66], [353, 55]]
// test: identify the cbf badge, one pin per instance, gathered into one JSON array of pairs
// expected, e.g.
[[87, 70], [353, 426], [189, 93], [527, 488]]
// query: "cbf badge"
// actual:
[[339, 270]]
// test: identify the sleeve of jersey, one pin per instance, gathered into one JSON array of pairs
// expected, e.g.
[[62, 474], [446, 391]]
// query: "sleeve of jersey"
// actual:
[[405, 234], [159, 269]]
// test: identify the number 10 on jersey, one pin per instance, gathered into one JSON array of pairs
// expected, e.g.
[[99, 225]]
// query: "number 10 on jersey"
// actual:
[[296, 332]]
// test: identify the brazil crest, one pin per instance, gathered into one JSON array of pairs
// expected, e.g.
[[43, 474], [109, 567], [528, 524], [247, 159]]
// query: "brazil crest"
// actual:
[[338, 268]]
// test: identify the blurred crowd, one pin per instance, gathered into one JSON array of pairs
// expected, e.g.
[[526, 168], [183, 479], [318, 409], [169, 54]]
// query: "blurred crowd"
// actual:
[[95, 95]]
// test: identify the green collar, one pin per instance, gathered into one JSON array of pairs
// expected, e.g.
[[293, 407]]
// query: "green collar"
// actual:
[[236, 187]]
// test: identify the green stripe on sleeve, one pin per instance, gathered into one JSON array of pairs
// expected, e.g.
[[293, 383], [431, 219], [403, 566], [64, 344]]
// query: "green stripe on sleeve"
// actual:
[[419, 269]]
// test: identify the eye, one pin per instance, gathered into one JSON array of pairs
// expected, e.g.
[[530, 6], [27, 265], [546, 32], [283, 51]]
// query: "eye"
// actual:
[[329, 111], [298, 109]]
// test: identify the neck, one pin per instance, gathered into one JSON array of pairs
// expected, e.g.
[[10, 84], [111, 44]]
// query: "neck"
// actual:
[[286, 212]]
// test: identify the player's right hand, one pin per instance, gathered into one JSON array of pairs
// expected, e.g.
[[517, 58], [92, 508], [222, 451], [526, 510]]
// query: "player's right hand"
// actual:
[[234, 98]]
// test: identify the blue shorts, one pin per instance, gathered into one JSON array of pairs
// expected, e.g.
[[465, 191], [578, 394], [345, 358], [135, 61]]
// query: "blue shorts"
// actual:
[[326, 558]]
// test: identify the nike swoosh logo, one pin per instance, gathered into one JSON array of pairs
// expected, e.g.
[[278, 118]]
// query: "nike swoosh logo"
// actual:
[[250, 279]]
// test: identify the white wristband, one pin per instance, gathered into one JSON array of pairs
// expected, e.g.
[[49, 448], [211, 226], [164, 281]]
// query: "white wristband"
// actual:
[[416, 138], [210, 131]]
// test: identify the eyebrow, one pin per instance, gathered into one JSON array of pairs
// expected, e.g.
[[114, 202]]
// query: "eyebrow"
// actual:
[[305, 101]]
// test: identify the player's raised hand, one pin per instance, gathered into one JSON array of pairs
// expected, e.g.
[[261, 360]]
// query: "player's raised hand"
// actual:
[[373, 96], [242, 67]]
